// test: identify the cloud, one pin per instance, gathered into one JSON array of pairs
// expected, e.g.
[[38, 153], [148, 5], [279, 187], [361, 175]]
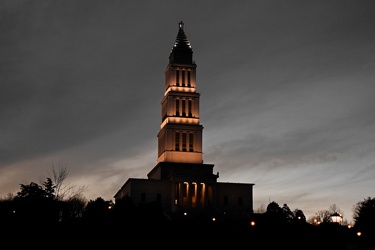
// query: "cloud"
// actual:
[[286, 93]]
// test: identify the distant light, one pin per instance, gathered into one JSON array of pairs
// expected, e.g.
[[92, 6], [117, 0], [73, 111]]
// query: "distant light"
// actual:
[[316, 222], [252, 223], [359, 233], [185, 213], [336, 218]]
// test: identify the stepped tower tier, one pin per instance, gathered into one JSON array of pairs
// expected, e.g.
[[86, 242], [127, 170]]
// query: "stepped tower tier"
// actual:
[[180, 134]]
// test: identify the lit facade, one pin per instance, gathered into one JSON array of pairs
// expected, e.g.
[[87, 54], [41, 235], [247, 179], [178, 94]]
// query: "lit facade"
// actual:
[[181, 182]]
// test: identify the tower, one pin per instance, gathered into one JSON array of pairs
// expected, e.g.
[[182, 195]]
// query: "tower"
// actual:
[[180, 135], [180, 182]]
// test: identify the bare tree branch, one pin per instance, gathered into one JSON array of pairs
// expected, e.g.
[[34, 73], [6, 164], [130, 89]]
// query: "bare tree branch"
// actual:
[[64, 190]]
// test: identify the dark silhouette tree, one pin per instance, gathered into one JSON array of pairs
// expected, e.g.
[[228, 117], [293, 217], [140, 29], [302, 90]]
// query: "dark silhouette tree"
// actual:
[[364, 216], [273, 208], [124, 210], [31, 192], [64, 190], [49, 188], [53, 200], [36, 204], [7, 211], [323, 216], [288, 214], [276, 214], [299, 216], [98, 211], [72, 209]]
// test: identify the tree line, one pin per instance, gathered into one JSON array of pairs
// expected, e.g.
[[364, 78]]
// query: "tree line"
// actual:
[[54, 202]]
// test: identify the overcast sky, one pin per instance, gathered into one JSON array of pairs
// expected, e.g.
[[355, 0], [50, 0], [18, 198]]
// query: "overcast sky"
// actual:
[[287, 94]]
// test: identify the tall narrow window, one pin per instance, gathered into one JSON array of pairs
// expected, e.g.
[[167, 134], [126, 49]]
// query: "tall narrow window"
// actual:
[[183, 141], [177, 107], [193, 189], [188, 80], [176, 201], [191, 136], [185, 189], [202, 194], [177, 141], [190, 114], [183, 78], [183, 107], [177, 78]]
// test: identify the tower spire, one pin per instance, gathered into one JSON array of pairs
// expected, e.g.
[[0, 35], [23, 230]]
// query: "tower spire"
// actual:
[[180, 134], [181, 51]]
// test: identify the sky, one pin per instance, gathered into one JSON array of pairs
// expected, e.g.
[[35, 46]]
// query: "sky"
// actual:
[[287, 94]]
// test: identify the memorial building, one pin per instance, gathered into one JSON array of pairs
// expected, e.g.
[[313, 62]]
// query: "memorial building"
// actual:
[[181, 183]]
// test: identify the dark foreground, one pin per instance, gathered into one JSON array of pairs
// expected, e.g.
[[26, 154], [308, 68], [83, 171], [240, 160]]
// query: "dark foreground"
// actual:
[[183, 235]]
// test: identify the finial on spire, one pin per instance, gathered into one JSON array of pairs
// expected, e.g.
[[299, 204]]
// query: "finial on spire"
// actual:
[[181, 51]]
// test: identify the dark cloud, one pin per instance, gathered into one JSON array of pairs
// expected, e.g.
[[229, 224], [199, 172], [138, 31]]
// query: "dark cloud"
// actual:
[[286, 93]]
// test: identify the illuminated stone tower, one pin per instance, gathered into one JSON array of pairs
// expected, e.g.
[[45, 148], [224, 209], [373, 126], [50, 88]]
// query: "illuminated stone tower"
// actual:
[[180, 135], [181, 183]]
